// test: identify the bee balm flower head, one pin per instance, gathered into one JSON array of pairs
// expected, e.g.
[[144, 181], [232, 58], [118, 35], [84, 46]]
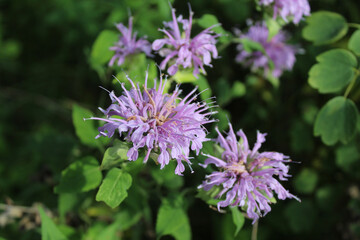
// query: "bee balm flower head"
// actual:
[[159, 122], [182, 50], [246, 175], [128, 44]]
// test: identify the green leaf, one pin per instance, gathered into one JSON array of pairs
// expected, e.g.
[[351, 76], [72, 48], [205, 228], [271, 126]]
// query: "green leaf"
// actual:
[[100, 52], [273, 26], [172, 221], [336, 68], [184, 76], [85, 130], [238, 219], [354, 42], [336, 121], [238, 89], [80, 176], [208, 20], [325, 27], [203, 86], [306, 181], [49, 230], [113, 189], [347, 157], [301, 216], [114, 155], [166, 176], [136, 66]]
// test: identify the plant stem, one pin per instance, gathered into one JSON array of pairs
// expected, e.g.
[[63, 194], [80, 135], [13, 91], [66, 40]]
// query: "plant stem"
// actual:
[[254, 230], [354, 25], [352, 83]]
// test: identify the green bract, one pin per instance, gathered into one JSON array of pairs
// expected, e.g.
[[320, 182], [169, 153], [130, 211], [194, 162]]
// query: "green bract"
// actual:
[[336, 68], [113, 189], [336, 121], [325, 27]]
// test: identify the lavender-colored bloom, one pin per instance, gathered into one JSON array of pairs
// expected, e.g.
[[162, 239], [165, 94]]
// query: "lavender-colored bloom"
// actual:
[[163, 123], [181, 50], [281, 54], [289, 8], [128, 44], [246, 175]]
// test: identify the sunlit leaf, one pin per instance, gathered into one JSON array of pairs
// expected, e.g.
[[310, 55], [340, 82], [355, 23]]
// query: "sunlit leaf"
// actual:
[[113, 189]]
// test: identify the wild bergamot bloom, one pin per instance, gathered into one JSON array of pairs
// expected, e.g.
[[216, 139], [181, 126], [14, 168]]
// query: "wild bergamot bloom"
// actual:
[[288, 9], [246, 175], [161, 123], [128, 44], [181, 49], [281, 54]]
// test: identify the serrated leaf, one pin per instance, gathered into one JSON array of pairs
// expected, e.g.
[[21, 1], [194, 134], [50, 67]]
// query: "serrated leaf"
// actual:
[[85, 130], [354, 42], [336, 121], [49, 230], [113, 189], [173, 221], [100, 52], [114, 155], [336, 68], [238, 219], [325, 27], [305, 182], [80, 176]]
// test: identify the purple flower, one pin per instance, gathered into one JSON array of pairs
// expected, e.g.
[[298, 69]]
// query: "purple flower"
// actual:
[[128, 44], [163, 123], [181, 50], [246, 175], [281, 54], [289, 8]]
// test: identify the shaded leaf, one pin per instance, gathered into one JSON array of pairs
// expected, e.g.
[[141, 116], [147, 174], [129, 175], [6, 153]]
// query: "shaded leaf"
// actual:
[[336, 121], [238, 219], [325, 27], [49, 230], [173, 221], [113, 189], [336, 68], [306, 181], [100, 52], [354, 42], [114, 155], [80, 176]]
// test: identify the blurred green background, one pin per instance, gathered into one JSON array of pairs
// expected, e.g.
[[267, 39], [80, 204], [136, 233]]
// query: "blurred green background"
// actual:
[[45, 68]]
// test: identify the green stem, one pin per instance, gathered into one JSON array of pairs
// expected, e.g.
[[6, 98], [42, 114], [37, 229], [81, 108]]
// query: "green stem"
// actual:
[[352, 83], [354, 25], [254, 230]]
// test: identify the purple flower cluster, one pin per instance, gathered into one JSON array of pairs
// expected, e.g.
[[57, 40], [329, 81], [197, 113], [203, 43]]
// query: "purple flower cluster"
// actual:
[[163, 123], [128, 44], [281, 54], [289, 8], [246, 175], [182, 50]]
